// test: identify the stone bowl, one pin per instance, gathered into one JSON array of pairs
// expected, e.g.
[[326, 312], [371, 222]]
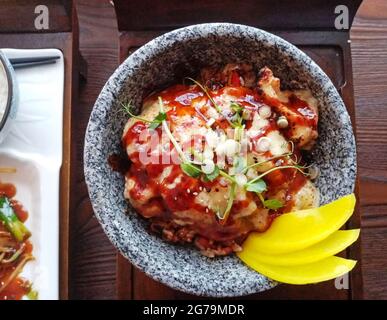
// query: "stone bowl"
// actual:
[[160, 63]]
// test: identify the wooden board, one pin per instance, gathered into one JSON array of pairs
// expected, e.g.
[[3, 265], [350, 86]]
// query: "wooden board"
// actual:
[[93, 258], [315, 35], [19, 16], [369, 48], [332, 52]]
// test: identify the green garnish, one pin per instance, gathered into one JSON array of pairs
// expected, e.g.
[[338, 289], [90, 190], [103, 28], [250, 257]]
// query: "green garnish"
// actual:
[[207, 93], [127, 108], [153, 124], [196, 154], [12, 222], [190, 169], [239, 164], [158, 120], [227, 176], [273, 204], [238, 132], [236, 107], [237, 118], [258, 186], [271, 170]]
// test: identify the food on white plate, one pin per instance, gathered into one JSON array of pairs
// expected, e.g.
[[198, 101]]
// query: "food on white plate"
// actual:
[[217, 158], [3, 91], [15, 247]]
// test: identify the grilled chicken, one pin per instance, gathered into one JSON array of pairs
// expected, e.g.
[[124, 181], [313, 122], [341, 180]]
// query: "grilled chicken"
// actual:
[[186, 209]]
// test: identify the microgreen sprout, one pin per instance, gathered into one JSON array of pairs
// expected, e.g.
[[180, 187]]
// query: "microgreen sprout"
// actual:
[[128, 107], [204, 89], [153, 124], [271, 204], [274, 169], [231, 196]]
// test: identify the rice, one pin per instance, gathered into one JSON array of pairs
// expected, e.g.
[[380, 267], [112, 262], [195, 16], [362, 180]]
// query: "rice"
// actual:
[[3, 91]]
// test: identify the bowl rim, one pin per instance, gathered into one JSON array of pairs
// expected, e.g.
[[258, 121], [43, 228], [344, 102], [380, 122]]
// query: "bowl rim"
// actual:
[[5, 62], [115, 84]]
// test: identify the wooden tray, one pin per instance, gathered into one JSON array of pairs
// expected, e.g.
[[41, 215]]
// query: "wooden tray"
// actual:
[[314, 34], [17, 31]]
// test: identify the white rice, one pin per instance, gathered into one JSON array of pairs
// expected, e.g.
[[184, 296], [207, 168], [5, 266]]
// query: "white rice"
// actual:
[[3, 91]]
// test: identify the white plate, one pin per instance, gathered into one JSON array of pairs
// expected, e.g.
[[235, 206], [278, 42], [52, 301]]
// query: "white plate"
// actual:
[[34, 147]]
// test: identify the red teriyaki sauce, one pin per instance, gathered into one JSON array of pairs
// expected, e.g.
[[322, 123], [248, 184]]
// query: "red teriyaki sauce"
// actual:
[[180, 98]]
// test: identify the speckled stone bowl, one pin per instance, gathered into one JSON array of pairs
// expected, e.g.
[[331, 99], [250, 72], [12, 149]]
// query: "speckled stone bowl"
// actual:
[[159, 63]]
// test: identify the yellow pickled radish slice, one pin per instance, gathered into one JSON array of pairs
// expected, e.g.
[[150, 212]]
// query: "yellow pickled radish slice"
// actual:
[[326, 269], [332, 245], [301, 229]]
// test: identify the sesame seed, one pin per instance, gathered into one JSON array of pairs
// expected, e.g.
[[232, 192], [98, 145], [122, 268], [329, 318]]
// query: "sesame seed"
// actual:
[[188, 190], [195, 193], [207, 210]]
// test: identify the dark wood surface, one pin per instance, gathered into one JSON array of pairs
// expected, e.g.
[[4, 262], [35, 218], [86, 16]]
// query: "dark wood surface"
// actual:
[[93, 258], [369, 54], [95, 263], [172, 14], [19, 15]]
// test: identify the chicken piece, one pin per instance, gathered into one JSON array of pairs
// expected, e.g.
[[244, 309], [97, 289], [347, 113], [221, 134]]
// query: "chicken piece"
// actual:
[[298, 106]]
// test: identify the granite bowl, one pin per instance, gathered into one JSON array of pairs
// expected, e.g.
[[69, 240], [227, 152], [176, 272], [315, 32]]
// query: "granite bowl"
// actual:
[[159, 63]]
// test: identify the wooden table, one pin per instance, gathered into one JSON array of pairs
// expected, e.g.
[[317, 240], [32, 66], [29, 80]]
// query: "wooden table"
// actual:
[[94, 263]]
